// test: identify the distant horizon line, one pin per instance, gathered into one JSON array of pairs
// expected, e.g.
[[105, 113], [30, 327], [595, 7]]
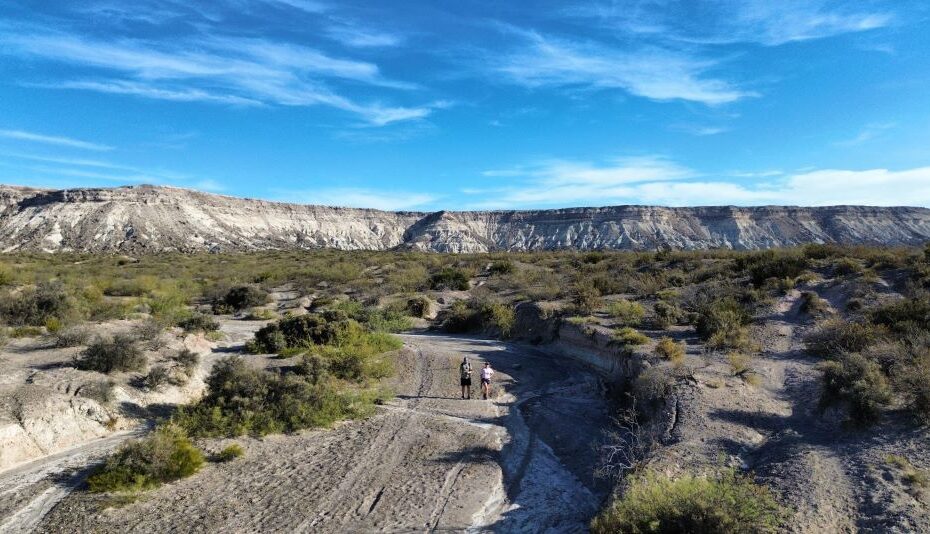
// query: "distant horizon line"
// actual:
[[430, 212]]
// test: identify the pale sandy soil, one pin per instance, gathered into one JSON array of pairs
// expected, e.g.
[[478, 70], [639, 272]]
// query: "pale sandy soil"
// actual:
[[428, 461]]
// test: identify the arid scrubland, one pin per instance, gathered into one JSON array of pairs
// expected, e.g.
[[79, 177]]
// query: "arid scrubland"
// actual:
[[751, 391]]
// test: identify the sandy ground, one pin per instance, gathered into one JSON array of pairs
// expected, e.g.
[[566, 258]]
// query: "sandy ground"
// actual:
[[428, 461]]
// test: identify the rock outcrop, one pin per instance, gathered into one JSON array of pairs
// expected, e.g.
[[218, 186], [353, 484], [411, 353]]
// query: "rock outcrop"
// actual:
[[143, 219]]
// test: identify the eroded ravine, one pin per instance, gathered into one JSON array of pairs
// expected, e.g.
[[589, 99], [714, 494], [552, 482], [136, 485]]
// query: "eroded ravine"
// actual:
[[427, 461]]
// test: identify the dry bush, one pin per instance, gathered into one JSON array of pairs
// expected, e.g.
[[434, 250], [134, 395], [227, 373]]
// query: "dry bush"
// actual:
[[859, 384], [674, 352], [629, 336], [118, 354], [812, 304], [836, 336]]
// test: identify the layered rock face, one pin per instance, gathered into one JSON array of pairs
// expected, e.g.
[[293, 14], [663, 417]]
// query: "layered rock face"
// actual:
[[156, 219]]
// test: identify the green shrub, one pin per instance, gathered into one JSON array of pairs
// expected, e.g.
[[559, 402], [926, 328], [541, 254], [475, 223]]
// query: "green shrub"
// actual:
[[188, 361], [302, 331], [627, 313], [667, 314], [905, 316], [586, 298], [728, 503], [651, 387], [837, 336], [241, 400], [779, 265], [34, 306], [229, 453], [462, 317], [164, 456], [846, 267], [387, 320], [72, 337], [199, 323], [499, 316], [449, 278], [668, 349], [118, 354], [858, 383], [418, 307], [628, 336], [501, 267], [912, 380], [722, 324], [239, 298]]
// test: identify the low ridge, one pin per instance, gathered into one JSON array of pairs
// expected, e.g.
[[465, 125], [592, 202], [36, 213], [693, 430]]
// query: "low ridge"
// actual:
[[141, 219]]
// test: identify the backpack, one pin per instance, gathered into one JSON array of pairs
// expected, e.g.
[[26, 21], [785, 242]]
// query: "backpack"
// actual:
[[466, 370]]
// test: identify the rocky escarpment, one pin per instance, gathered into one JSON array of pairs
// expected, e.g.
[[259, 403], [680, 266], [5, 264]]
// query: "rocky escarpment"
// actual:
[[155, 219]]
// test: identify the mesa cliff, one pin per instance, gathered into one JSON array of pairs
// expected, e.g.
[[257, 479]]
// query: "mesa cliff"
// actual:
[[148, 219]]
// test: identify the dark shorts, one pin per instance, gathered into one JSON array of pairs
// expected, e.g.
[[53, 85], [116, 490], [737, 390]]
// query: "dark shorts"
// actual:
[[486, 381], [466, 381]]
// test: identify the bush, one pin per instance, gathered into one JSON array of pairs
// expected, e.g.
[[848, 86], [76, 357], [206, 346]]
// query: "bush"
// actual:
[[164, 456], [199, 323], [25, 331], [778, 265], [812, 304], [301, 331], [499, 316], [667, 314], [241, 400], [502, 267], [72, 337], [912, 380], [229, 453], [188, 361], [668, 349], [837, 336], [119, 354], [846, 267], [160, 375], [905, 316], [35, 306], [449, 278], [651, 387], [630, 336], [627, 313], [858, 383], [726, 503], [418, 307], [240, 298], [462, 317], [586, 298], [260, 314], [102, 391], [723, 324]]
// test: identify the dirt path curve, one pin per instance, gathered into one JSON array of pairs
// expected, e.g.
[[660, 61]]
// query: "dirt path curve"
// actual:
[[799, 455], [30, 491], [427, 462]]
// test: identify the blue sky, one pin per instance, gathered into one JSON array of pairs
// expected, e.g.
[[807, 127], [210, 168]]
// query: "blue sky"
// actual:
[[428, 105]]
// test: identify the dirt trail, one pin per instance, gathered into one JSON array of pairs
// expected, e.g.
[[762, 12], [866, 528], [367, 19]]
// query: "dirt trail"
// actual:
[[428, 461]]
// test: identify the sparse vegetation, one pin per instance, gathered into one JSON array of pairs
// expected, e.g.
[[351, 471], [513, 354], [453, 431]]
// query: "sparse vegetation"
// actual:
[[199, 322], [628, 336], [626, 313], [859, 384], [164, 456], [722, 324], [728, 502], [450, 278], [837, 336]]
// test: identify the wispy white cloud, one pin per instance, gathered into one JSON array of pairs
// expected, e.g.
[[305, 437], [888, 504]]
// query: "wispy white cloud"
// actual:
[[699, 130], [869, 132], [647, 71], [53, 140], [224, 70], [359, 198], [356, 36], [736, 21], [660, 181]]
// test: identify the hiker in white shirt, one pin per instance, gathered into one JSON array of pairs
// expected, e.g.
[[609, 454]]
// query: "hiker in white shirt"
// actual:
[[486, 374]]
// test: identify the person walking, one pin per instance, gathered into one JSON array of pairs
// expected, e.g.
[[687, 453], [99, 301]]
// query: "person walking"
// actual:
[[465, 374], [486, 374]]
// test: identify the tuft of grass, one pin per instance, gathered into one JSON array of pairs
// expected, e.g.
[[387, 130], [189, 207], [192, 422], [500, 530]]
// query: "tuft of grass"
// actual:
[[229, 453], [629, 336], [911, 475], [728, 502]]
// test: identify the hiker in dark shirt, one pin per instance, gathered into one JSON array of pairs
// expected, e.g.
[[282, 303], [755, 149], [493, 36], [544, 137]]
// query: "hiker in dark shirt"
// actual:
[[465, 374]]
